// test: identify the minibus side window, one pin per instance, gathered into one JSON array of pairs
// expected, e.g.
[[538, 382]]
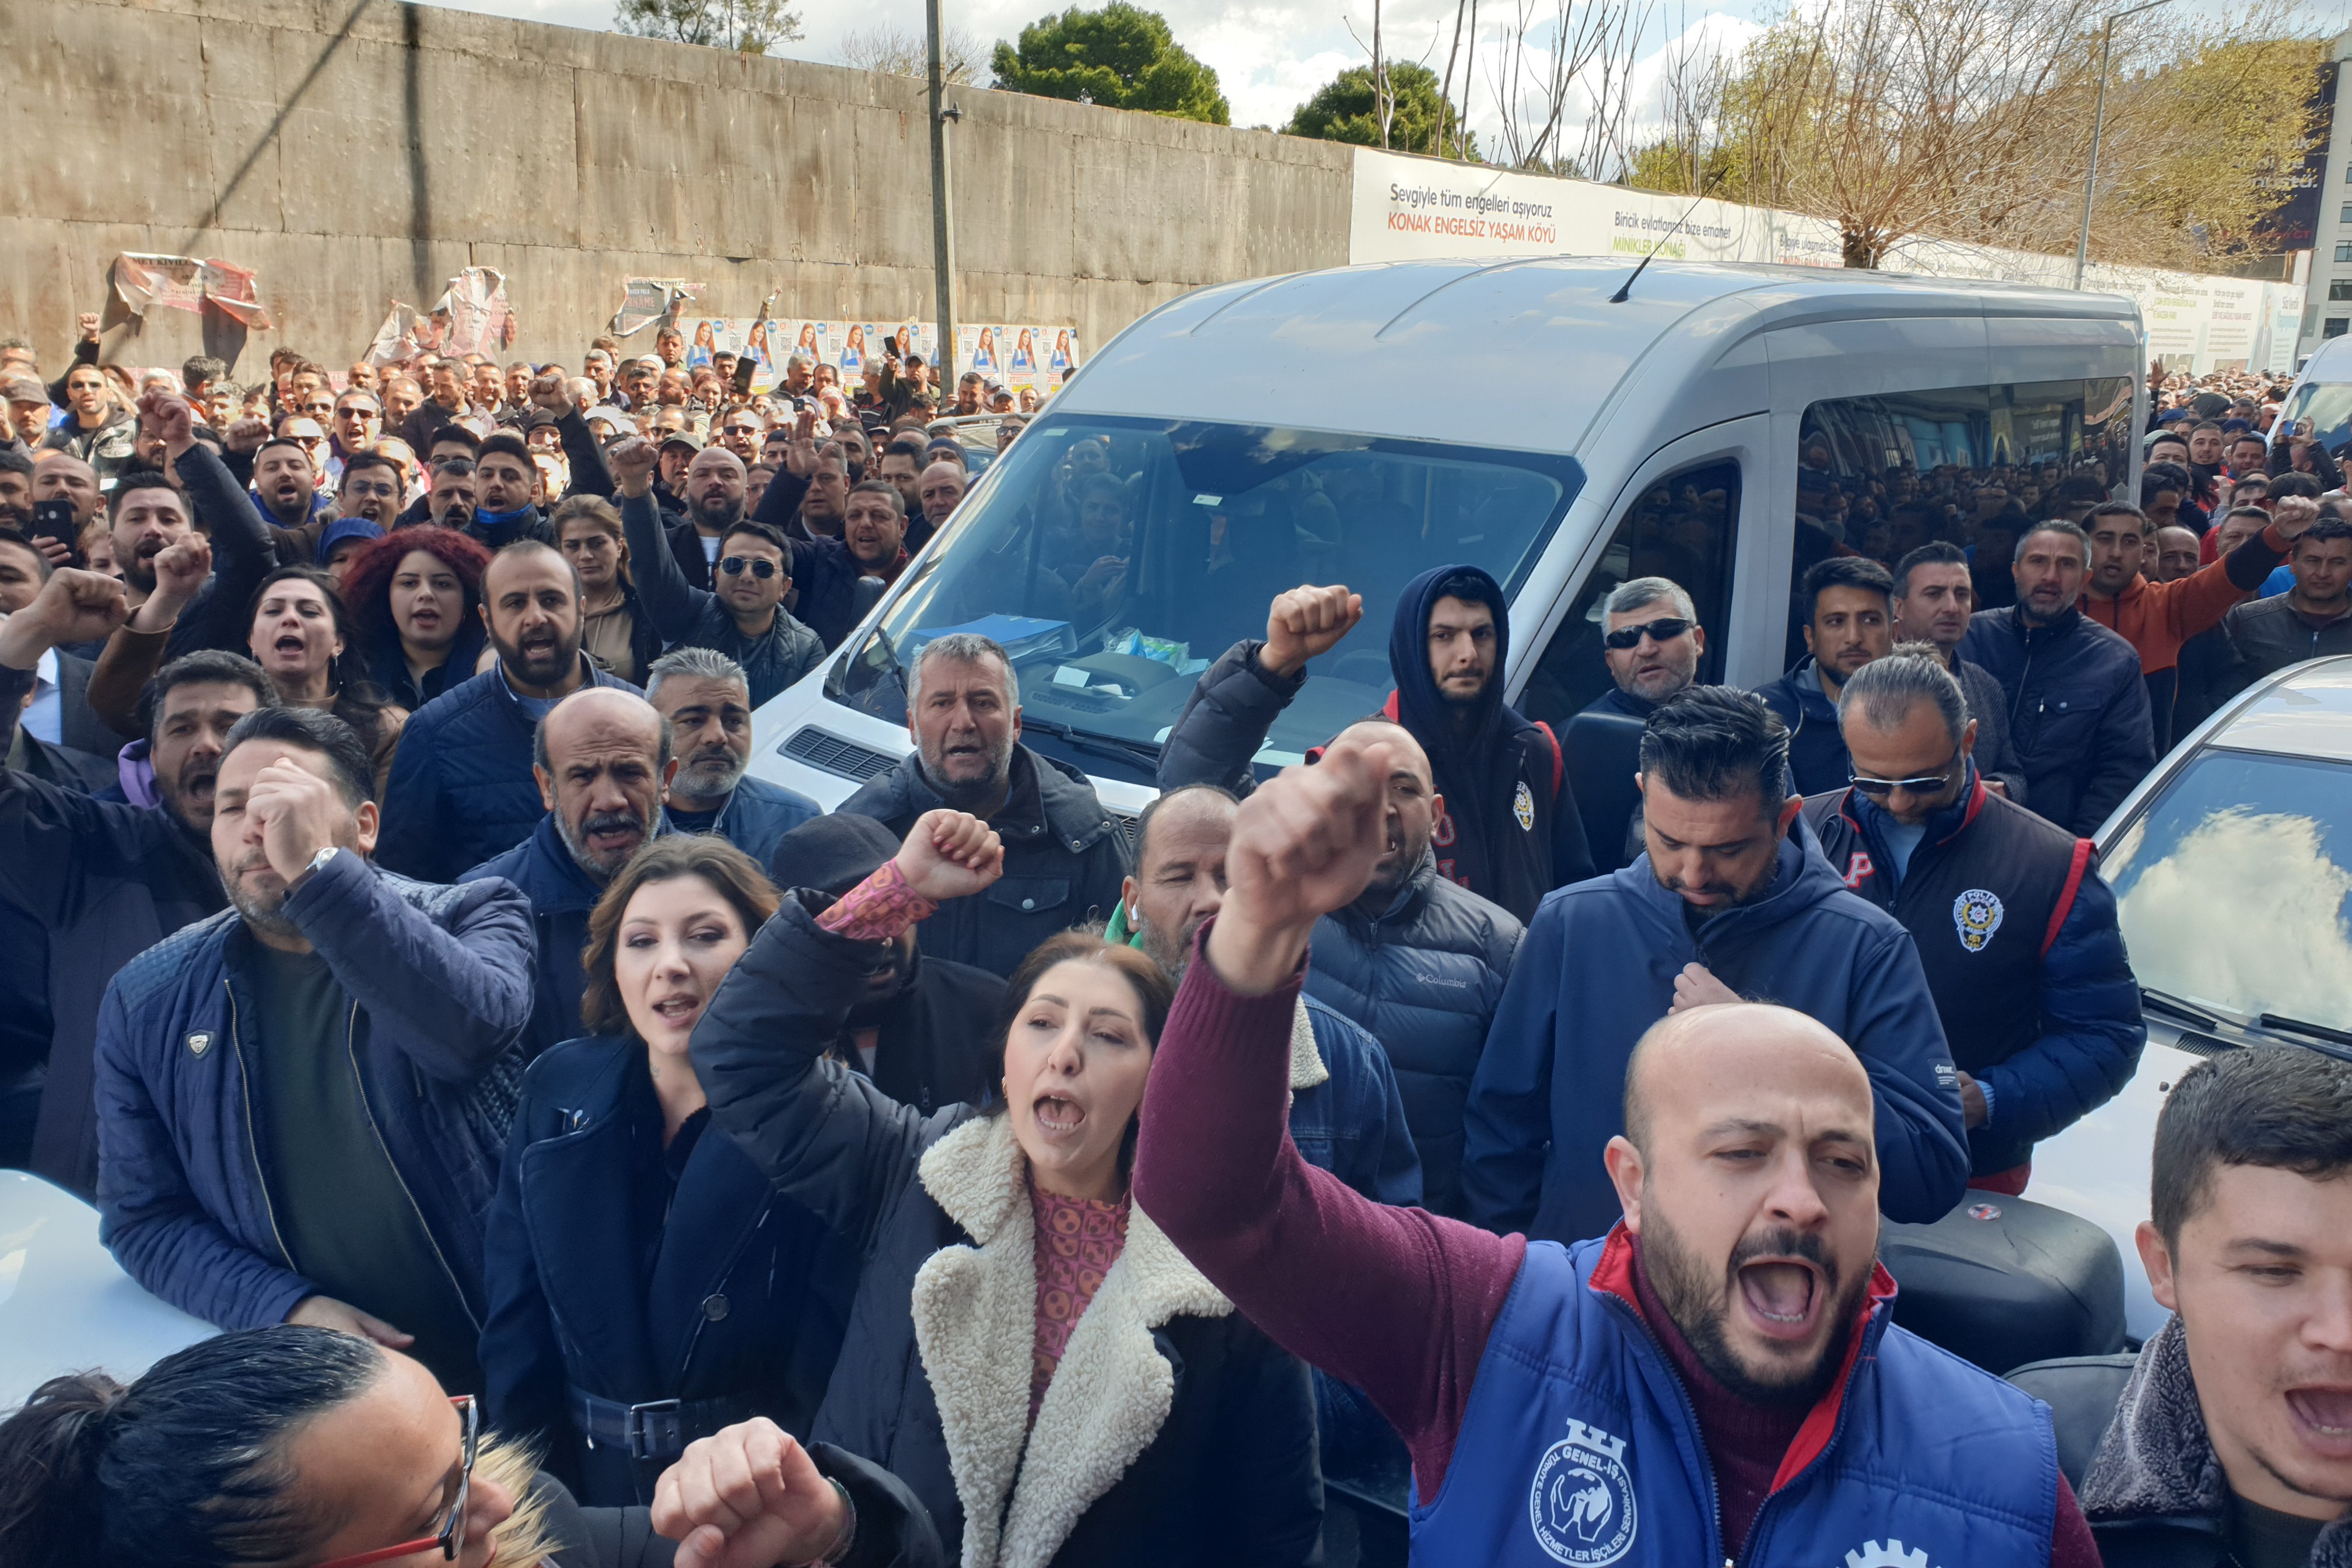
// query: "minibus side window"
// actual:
[[1971, 466], [1681, 528]]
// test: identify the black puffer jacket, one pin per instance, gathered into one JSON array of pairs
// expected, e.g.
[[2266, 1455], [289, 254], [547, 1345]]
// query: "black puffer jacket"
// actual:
[[1424, 979], [1064, 860], [933, 1380], [2078, 710]]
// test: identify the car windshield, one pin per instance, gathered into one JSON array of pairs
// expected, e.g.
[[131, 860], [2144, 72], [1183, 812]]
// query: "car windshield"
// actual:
[[1116, 558], [2234, 888], [2328, 406]]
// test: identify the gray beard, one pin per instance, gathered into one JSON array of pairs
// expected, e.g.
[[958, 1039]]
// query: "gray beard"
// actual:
[[705, 786], [1149, 935]]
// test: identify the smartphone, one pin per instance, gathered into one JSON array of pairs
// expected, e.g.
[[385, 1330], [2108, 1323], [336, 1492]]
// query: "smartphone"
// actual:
[[53, 518]]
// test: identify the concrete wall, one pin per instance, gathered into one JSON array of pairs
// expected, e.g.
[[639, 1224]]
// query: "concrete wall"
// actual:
[[355, 150]]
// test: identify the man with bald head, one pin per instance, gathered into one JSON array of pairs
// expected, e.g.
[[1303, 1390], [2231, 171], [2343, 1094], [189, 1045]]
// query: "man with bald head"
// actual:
[[1716, 1379], [467, 791], [1420, 961], [601, 759], [744, 618], [1345, 1115], [941, 490]]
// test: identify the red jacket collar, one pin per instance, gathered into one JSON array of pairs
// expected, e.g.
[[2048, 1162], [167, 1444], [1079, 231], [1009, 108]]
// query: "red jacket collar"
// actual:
[[1613, 1275]]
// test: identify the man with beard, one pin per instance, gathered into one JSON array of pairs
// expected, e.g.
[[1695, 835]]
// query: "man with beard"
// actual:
[[1064, 857], [1716, 1378], [150, 512], [1345, 1113], [286, 484], [1731, 897], [466, 791], [913, 1034], [2078, 706], [1846, 626], [16, 489], [58, 476], [902, 468], [600, 758], [745, 617], [1652, 642], [704, 700], [450, 502], [301, 1103], [829, 569], [2012, 923], [1510, 830], [806, 497], [87, 885], [1934, 596]]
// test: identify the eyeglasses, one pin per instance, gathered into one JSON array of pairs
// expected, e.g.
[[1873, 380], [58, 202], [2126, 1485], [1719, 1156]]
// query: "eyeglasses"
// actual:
[[1931, 783], [364, 488], [452, 1533], [1666, 628], [736, 565]]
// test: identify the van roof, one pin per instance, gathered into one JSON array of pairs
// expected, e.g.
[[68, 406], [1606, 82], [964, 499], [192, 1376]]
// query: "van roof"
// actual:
[[1520, 354]]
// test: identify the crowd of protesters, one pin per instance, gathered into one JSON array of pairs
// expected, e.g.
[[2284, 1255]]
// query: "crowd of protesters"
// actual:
[[591, 1154]]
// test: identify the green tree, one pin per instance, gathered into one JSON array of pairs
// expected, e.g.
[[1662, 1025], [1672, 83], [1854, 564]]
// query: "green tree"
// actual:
[[748, 27], [1345, 109], [1122, 56]]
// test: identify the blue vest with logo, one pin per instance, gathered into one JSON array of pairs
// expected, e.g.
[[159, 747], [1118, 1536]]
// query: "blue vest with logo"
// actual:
[[1581, 1448]]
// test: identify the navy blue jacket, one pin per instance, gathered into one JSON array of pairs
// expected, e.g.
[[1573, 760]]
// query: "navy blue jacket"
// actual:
[[1352, 1124], [444, 977], [1817, 754], [2061, 1033], [1580, 1445], [725, 1291], [1598, 968], [1424, 979], [561, 895], [461, 789], [2078, 711], [758, 813]]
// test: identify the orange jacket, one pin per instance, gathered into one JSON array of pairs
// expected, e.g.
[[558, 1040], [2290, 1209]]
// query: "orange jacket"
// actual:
[[2155, 618]]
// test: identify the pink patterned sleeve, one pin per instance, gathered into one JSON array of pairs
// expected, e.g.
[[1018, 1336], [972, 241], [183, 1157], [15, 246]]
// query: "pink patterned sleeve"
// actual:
[[877, 908]]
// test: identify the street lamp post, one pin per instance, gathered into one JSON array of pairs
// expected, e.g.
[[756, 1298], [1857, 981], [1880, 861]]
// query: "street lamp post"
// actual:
[[942, 223], [2098, 123]]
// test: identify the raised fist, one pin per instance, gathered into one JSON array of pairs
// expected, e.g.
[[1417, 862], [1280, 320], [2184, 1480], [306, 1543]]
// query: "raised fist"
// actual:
[[632, 461], [950, 854], [245, 435], [166, 414], [1306, 623], [1306, 843], [548, 391]]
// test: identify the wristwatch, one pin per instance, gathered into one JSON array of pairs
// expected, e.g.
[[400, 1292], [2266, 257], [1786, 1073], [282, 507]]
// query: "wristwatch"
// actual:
[[321, 859]]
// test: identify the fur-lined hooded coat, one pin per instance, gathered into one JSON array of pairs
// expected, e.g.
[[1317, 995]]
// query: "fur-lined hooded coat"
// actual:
[[1174, 1433]]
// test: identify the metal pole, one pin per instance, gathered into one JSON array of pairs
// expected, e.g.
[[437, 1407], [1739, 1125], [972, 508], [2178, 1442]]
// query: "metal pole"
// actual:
[[942, 225], [2098, 123]]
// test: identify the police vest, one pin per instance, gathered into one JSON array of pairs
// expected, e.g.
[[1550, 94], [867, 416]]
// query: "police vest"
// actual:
[[1982, 903], [1580, 1447]]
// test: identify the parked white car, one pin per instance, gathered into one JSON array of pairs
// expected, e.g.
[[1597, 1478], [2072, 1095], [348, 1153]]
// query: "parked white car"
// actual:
[[65, 1304], [2232, 869]]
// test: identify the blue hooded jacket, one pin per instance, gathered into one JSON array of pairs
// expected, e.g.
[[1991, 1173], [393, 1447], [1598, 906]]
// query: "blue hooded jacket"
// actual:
[[1598, 968], [1511, 831]]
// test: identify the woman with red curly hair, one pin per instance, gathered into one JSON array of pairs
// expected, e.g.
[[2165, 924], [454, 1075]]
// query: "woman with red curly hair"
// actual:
[[416, 595]]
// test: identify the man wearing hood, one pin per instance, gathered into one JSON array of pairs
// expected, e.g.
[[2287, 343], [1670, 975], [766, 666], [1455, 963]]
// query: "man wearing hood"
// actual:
[[1730, 899], [101, 881], [1511, 831]]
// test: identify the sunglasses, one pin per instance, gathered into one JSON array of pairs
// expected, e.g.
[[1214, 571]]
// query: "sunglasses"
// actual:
[[1665, 630], [1879, 789], [452, 1533], [736, 565]]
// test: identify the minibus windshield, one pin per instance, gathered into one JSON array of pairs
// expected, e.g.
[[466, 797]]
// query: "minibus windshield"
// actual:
[[2327, 405], [1116, 558]]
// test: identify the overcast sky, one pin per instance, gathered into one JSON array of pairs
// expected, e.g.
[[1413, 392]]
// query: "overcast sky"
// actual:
[[1269, 55]]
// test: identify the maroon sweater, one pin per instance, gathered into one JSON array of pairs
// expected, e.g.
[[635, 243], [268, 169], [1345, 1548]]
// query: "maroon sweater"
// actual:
[[1397, 1301]]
